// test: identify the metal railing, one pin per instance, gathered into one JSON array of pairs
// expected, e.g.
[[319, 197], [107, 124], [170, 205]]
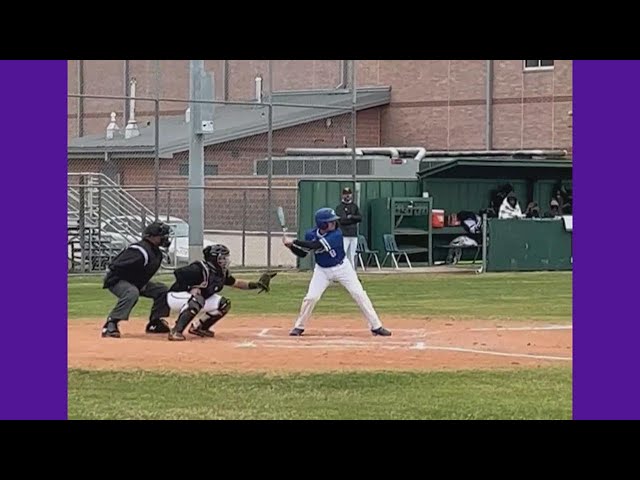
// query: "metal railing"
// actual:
[[102, 218]]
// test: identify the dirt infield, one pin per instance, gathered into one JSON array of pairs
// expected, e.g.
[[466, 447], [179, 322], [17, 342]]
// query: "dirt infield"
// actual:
[[244, 344]]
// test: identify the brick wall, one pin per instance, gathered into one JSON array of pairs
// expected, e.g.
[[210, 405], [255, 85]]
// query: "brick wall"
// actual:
[[439, 104]]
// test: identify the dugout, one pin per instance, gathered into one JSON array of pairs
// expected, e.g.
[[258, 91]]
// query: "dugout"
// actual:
[[455, 183], [466, 183]]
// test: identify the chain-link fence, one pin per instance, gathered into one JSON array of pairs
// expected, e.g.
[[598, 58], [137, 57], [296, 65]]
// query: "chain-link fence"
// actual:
[[129, 153]]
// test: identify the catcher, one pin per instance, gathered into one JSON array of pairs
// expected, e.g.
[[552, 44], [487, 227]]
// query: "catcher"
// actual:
[[195, 292]]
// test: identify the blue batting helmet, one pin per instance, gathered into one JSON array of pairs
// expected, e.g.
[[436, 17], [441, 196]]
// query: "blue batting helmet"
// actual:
[[325, 215]]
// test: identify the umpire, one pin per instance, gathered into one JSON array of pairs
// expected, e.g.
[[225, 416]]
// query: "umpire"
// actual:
[[128, 277]]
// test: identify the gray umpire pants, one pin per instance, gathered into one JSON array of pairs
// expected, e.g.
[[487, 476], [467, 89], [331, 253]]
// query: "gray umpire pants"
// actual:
[[129, 294]]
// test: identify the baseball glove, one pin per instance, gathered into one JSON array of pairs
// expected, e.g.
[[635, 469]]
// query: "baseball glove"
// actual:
[[265, 281]]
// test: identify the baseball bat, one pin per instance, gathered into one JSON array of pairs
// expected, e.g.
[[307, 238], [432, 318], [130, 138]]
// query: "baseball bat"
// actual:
[[282, 221]]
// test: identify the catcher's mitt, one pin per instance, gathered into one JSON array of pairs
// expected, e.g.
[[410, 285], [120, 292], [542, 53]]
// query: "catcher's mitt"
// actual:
[[264, 281]]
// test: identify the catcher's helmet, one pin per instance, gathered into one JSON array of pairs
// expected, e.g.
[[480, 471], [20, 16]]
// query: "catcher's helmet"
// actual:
[[325, 215], [159, 229], [217, 256]]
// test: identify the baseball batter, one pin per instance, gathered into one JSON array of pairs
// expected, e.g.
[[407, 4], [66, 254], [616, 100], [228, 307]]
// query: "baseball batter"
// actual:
[[195, 292], [327, 244]]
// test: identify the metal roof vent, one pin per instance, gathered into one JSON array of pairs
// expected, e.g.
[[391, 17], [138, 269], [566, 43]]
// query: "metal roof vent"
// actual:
[[131, 130], [259, 89], [112, 128]]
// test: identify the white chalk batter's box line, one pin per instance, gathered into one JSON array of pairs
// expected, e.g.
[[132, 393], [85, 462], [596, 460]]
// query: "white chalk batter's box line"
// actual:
[[328, 342], [345, 345], [410, 333], [421, 332], [321, 334]]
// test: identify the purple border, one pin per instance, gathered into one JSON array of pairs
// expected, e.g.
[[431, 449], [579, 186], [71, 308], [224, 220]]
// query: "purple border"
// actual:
[[606, 327], [33, 348], [33, 351]]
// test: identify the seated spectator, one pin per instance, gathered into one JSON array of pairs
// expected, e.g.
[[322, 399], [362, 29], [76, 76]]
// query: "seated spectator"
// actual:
[[496, 199], [554, 209], [564, 196], [470, 221], [510, 208], [533, 210]]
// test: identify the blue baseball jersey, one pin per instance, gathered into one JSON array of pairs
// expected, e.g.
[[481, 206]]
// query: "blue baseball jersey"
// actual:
[[332, 253]]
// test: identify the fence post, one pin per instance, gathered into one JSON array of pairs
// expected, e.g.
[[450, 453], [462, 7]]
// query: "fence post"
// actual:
[[354, 112], [485, 236], [156, 165], [269, 162], [244, 226], [100, 246], [81, 223], [168, 204]]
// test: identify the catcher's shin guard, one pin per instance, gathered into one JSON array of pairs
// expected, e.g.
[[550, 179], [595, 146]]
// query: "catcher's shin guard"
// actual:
[[201, 327], [188, 313], [175, 336]]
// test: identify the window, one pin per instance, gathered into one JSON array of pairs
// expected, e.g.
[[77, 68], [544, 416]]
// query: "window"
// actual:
[[295, 168], [279, 168], [312, 167], [346, 168], [363, 167], [301, 167], [262, 167], [538, 64], [210, 170], [328, 167]]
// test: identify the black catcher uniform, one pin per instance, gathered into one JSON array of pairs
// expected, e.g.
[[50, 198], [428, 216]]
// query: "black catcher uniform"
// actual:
[[195, 293], [128, 277]]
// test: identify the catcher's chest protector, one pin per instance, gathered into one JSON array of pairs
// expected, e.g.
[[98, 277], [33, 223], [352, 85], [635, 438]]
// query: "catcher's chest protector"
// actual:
[[213, 281]]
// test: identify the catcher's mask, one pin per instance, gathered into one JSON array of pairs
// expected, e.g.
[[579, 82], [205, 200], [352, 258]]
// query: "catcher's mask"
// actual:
[[217, 256], [159, 229]]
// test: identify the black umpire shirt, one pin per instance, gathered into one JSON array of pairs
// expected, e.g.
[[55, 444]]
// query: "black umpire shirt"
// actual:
[[136, 264]]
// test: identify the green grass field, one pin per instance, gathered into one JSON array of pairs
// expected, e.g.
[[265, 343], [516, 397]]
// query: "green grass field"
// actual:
[[531, 296], [540, 393], [527, 394]]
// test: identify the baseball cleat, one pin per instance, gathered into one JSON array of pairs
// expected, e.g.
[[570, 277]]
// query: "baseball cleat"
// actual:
[[176, 336], [201, 332], [157, 326], [383, 332], [296, 332], [110, 329]]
